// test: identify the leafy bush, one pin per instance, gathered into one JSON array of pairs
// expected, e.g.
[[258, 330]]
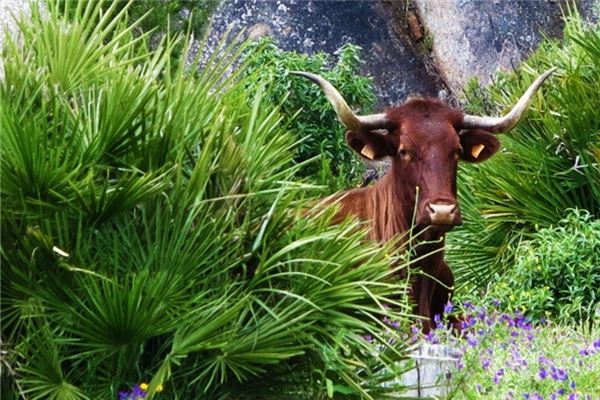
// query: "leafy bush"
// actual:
[[307, 113], [550, 161], [173, 15], [506, 356], [556, 273], [160, 17], [149, 232]]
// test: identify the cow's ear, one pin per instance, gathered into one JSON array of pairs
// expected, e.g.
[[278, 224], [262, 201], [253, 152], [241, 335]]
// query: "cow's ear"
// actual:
[[370, 145], [478, 145]]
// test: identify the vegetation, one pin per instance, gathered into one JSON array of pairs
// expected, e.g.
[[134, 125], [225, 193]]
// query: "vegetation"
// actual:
[[157, 238], [307, 113], [506, 356], [550, 163], [149, 231], [556, 274], [530, 252], [159, 17], [173, 16]]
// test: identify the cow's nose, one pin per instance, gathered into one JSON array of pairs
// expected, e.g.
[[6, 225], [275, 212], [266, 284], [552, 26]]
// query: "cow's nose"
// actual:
[[441, 214]]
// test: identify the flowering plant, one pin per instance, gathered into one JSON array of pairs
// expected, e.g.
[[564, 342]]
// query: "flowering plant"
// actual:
[[138, 392], [506, 356]]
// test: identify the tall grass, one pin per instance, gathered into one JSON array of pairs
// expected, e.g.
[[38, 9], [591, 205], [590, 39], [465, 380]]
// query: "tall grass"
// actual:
[[549, 163], [150, 232]]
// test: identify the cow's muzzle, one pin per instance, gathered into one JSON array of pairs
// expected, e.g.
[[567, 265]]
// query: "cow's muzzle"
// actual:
[[443, 213]]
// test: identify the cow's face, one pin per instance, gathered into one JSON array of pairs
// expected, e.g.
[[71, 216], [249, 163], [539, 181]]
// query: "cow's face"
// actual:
[[425, 140], [425, 149]]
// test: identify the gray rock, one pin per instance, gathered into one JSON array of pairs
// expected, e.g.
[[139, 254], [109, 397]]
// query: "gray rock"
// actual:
[[311, 26], [478, 37]]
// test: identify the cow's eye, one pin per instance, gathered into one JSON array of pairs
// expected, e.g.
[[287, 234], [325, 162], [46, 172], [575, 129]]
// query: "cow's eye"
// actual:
[[402, 152]]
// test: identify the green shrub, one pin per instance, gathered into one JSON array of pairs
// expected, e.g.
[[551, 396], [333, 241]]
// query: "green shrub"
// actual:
[[173, 16], [556, 273], [549, 163], [307, 114], [160, 17], [149, 231]]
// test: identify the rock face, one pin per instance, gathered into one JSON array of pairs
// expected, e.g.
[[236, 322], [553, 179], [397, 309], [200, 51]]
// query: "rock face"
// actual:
[[312, 26], [410, 46], [477, 37]]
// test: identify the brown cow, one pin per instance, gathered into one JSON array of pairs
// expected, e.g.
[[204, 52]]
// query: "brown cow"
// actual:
[[424, 139]]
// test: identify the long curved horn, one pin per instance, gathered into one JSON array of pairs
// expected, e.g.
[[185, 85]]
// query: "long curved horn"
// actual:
[[350, 120], [507, 122]]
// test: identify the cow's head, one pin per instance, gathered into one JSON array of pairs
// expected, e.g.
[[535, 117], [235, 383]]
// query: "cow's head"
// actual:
[[425, 139]]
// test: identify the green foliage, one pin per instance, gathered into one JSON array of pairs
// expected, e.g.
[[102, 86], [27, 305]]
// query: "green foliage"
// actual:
[[556, 274], [149, 232], [173, 16], [550, 162], [307, 113]]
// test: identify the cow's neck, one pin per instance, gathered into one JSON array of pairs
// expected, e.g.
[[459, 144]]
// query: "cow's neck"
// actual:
[[393, 208]]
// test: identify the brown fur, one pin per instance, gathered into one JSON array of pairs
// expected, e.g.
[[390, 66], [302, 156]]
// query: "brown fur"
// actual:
[[424, 146]]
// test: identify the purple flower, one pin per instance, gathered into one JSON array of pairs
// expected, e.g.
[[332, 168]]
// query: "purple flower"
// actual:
[[498, 375], [558, 374], [526, 396], [597, 344], [486, 364], [432, 338], [448, 308], [543, 373], [572, 385], [467, 323], [482, 313], [536, 396], [437, 319], [543, 360], [468, 305], [368, 338], [560, 391], [496, 302], [573, 396], [514, 333], [584, 352], [472, 340], [136, 393]]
